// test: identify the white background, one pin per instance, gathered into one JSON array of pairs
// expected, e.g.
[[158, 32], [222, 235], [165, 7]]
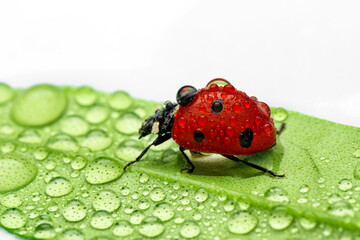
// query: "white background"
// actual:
[[300, 55]]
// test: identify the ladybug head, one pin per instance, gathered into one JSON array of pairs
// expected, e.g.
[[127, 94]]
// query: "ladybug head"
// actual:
[[186, 95]]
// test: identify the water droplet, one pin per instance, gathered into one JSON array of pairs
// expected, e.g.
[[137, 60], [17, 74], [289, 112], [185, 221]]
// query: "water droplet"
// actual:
[[8, 147], [15, 172], [279, 219], [72, 234], [50, 165], [63, 142], [242, 223], [357, 171], [341, 209], [143, 205], [96, 140], [345, 185], [11, 200], [103, 170], [44, 231], [143, 178], [30, 136], [157, 194], [107, 201], [229, 206], [97, 114], [136, 217], [125, 191], [101, 220], [85, 96], [304, 188], [40, 154], [280, 114], [189, 230], [6, 93], [151, 227], [7, 129], [357, 153], [53, 207], [74, 125], [74, 211], [58, 187], [128, 124], [51, 175], [120, 100], [201, 195], [276, 194], [122, 229], [129, 150], [39, 105], [307, 223], [13, 218], [163, 211], [78, 163]]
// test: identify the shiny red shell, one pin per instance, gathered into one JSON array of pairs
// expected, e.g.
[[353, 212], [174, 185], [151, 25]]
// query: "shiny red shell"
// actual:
[[222, 130]]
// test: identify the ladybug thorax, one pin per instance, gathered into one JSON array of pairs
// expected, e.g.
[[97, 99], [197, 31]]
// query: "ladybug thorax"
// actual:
[[223, 120]]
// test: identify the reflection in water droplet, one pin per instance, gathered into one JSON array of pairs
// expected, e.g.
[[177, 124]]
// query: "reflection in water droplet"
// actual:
[[44, 231], [345, 185], [151, 227], [103, 170], [85, 96], [189, 230], [30, 136], [58, 187], [96, 140], [128, 124], [242, 223], [201, 195], [279, 219], [122, 229], [101, 220], [63, 142], [157, 194], [97, 114], [13, 218], [74, 126], [163, 211], [106, 200], [74, 211], [120, 100], [72, 234], [277, 194]]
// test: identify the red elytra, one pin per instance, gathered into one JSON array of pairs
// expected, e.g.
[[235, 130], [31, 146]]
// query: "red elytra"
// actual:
[[221, 131]]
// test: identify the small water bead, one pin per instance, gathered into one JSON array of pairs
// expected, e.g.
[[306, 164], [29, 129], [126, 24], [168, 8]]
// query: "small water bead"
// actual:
[[321, 180], [120, 100], [129, 209], [40, 154], [280, 114], [74, 211], [242, 223], [163, 211], [143, 205], [143, 178], [307, 224], [50, 165], [44, 231], [189, 230], [157, 194], [51, 175], [229, 206], [78, 163], [53, 207], [8, 147], [97, 114], [63, 142], [276, 194], [85, 96], [279, 219], [128, 124], [345, 185], [6, 93], [201, 195], [151, 227], [72, 234], [96, 140], [11, 200], [136, 217], [30, 136], [106, 200], [74, 125], [101, 220], [357, 153], [13, 218], [16, 172], [341, 209], [7, 129], [122, 229], [304, 188], [125, 191], [103, 170], [58, 187], [357, 171], [39, 105]]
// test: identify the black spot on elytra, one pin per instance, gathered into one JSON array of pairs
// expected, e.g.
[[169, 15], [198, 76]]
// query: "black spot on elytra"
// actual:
[[198, 136], [217, 106], [246, 138]]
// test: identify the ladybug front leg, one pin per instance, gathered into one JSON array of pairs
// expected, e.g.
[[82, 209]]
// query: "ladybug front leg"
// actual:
[[159, 140], [231, 157], [282, 127], [188, 161]]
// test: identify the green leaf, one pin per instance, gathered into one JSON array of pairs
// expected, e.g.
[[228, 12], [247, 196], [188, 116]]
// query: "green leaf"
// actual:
[[62, 175]]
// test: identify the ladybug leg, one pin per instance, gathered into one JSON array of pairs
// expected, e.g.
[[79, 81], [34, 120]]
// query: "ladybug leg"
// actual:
[[231, 157], [159, 140], [282, 127], [188, 161]]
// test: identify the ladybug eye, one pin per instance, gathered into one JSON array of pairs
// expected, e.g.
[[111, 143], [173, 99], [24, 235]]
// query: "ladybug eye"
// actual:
[[185, 95], [246, 138], [217, 106]]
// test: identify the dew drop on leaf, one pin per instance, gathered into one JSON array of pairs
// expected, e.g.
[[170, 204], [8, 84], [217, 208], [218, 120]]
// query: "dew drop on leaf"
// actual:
[[58, 187], [74, 125], [189, 230], [163, 211], [96, 140], [6, 93], [128, 124], [11, 200], [201, 195], [242, 223], [103, 170], [276, 194], [345, 185], [97, 114], [279, 219], [85, 96], [72, 234], [101, 220], [44, 231], [151, 227], [13, 218], [74, 211], [120, 100], [106, 200], [122, 229]]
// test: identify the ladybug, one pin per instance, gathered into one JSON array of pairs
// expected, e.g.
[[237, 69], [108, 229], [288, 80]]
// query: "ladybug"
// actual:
[[216, 119]]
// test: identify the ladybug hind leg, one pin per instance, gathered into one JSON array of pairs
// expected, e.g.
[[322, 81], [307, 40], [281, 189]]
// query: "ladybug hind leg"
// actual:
[[281, 129], [231, 157], [192, 167]]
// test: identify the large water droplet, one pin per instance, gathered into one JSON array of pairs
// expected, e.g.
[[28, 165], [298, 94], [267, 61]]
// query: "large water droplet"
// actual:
[[30, 136], [96, 140], [85, 96], [277, 194], [128, 124], [189, 230], [63, 142], [6, 93], [122, 229], [163, 211], [280, 114], [97, 114], [151, 227], [72, 234], [58, 187], [136, 217], [101, 220], [8, 147], [345, 185], [120, 100], [11, 200], [74, 126], [279, 219], [242, 223], [74, 211], [157, 194], [78, 163], [103, 170], [39, 105], [15, 172], [106, 200], [201, 195], [44, 231], [13, 218]]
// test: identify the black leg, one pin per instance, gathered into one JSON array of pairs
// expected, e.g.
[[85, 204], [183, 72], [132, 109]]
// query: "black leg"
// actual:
[[160, 139], [231, 157], [282, 127], [188, 161]]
